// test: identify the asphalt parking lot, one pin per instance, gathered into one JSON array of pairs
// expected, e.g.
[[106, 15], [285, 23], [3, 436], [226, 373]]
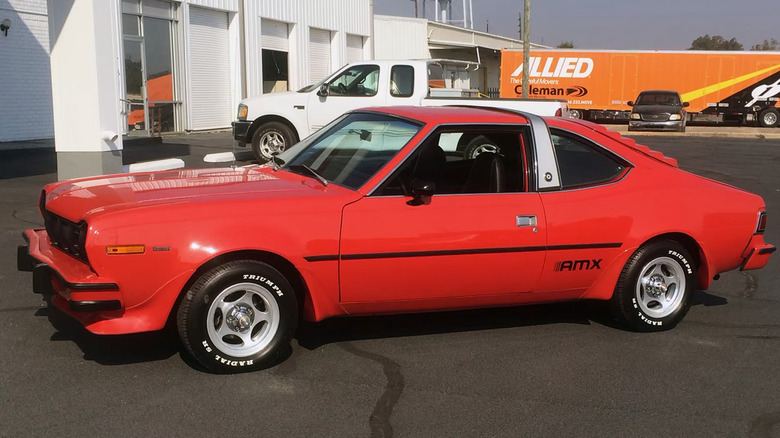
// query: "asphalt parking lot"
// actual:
[[549, 370]]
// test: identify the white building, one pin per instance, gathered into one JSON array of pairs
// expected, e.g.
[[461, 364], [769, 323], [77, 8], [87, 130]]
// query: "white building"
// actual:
[[90, 72]]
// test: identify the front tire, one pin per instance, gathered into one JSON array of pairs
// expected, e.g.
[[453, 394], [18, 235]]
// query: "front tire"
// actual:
[[238, 317], [271, 138], [654, 290]]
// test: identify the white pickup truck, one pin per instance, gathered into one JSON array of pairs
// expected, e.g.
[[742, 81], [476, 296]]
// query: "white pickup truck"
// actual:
[[272, 122]]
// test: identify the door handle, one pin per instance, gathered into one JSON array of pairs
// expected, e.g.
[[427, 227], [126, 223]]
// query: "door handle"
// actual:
[[526, 220]]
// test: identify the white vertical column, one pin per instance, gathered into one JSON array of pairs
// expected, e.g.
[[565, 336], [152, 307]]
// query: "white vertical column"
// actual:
[[85, 70]]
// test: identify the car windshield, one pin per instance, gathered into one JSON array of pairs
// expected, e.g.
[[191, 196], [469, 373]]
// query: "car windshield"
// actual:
[[352, 149], [658, 99]]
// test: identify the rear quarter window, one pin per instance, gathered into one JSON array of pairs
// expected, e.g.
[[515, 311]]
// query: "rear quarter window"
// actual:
[[583, 163]]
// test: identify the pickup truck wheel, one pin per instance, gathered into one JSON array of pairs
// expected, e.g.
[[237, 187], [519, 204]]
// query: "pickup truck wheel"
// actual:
[[271, 138], [653, 292], [478, 145], [575, 114], [238, 317], [768, 118]]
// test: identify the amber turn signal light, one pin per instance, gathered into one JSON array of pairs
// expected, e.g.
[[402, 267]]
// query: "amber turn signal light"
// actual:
[[125, 249]]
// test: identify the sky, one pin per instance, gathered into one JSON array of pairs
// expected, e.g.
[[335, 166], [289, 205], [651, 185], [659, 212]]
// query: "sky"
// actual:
[[617, 24]]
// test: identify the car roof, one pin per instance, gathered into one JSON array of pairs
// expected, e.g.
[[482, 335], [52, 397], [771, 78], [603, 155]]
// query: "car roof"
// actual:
[[658, 92], [452, 114]]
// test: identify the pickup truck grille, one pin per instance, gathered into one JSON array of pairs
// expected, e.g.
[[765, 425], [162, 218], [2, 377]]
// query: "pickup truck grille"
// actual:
[[63, 234], [655, 117]]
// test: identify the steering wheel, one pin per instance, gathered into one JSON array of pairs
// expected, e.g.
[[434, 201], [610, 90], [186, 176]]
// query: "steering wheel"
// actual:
[[342, 88]]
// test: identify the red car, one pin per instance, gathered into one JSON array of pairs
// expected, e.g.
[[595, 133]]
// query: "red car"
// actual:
[[402, 209]]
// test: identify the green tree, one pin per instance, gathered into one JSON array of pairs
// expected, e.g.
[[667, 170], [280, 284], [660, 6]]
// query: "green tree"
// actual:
[[569, 45], [716, 42], [771, 45]]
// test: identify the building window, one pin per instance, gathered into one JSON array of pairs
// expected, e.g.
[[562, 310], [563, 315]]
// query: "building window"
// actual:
[[151, 100]]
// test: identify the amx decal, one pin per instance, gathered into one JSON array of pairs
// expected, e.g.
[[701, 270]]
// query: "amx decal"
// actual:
[[578, 265], [560, 68]]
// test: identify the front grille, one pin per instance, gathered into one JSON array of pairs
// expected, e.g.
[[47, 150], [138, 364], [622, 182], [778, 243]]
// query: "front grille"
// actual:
[[63, 234], [655, 117]]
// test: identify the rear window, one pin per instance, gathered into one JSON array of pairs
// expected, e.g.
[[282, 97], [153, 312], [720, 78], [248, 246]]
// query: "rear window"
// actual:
[[582, 163]]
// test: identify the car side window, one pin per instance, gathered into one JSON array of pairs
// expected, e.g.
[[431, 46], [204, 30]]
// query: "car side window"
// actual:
[[402, 81], [582, 163], [463, 161], [360, 80]]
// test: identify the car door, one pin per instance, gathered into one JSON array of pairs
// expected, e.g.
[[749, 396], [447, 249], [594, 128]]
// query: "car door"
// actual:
[[355, 87], [471, 238]]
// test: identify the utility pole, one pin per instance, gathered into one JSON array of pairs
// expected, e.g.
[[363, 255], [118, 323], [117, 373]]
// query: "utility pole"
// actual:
[[526, 44], [520, 26], [416, 15]]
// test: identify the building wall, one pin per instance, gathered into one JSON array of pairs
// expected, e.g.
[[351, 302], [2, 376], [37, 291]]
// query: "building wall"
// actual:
[[400, 38], [340, 17], [25, 75]]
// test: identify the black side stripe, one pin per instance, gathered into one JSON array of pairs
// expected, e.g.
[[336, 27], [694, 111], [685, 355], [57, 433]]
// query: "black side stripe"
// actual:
[[391, 255]]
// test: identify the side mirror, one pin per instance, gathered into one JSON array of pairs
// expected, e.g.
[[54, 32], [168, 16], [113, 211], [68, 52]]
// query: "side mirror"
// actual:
[[630, 103], [422, 190], [323, 91], [686, 104]]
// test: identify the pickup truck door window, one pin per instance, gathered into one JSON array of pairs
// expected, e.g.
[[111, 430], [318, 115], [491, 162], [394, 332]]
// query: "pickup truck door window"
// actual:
[[479, 233], [355, 87]]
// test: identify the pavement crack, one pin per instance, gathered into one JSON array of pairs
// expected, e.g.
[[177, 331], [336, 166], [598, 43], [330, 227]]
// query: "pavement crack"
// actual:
[[751, 285], [15, 215], [379, 421]]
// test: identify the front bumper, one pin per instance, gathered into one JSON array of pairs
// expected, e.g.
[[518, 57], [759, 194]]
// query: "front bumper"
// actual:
[[757, 254], [73, 286], [675, 125], [240, 131]]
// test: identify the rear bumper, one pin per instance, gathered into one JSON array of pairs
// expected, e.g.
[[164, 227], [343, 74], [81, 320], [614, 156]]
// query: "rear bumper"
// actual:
[[73, 286], [240, 131], [757, 254]]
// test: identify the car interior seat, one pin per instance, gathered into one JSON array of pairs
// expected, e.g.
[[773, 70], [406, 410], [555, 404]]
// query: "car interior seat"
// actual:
[[487, 174], [430, 164]]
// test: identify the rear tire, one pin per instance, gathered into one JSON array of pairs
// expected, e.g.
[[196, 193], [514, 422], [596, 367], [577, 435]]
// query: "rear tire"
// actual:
[[768, 118], [478, 145], [654, 290], [238, 317]]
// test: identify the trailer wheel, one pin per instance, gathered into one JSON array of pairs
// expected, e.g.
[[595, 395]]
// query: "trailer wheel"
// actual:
[[768, 118], [575, 114]]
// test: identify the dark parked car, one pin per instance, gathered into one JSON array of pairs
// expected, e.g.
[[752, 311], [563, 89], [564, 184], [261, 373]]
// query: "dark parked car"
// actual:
[[658, 109]]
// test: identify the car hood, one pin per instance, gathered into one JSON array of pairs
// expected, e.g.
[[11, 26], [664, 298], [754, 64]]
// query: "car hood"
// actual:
[[657, 109], [76, 200], [274, 103]]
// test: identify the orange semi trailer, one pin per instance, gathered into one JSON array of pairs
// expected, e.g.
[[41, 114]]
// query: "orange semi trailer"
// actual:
[[741, 87]]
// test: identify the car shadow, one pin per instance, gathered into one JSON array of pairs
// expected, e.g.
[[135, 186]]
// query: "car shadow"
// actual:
[[115, 349], [314, 335]]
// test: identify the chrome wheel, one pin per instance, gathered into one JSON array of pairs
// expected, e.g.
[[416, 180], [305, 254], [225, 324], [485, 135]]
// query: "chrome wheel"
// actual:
[[243, 319], [272, 143], [770, 118], [661, 287]]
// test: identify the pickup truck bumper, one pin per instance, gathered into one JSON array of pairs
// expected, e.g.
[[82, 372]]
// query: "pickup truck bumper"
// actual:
[[240, 130]]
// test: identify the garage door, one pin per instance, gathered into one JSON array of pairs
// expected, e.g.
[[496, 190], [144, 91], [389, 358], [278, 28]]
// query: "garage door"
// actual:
[[273, 35], [354, 48], [319, 55], [210, 99]]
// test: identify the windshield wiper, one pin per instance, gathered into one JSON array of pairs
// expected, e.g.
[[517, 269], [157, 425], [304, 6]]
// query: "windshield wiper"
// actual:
[[310, 171]]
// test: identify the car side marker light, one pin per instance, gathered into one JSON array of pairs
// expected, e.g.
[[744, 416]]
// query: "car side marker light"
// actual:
[[125, 249]]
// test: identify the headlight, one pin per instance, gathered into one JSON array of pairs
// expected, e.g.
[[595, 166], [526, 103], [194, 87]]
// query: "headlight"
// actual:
[[242, 111], [636, 116], [674, 117]]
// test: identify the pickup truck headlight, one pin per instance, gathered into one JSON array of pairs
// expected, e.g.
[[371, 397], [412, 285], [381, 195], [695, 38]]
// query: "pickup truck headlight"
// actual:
[[242, 111], [636, 116], [674, 117]]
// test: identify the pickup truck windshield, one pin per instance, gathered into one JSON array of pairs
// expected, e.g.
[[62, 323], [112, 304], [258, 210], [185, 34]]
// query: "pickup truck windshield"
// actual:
[[353, 149]]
